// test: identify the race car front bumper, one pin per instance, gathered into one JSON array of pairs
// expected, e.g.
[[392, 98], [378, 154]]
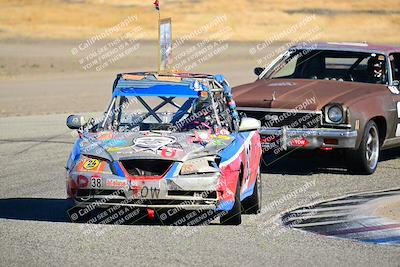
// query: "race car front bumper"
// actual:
[[181, 193], [285, 138], [184, 200]]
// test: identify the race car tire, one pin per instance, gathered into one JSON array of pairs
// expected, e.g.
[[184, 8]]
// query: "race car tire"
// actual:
[[252, 204], [234, 216], [364, 160]]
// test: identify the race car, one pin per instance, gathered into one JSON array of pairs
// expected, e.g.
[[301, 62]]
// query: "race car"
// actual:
[[167, 142], [329, 96]]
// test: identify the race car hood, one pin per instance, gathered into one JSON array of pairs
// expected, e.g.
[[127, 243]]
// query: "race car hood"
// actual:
[[116, 146], [310, 94]]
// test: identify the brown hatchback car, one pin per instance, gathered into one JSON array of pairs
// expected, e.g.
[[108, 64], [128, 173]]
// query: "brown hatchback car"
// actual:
[[328, 96]]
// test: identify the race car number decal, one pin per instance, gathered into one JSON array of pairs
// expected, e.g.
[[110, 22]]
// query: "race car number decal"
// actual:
[[96, 182], [91, 164]]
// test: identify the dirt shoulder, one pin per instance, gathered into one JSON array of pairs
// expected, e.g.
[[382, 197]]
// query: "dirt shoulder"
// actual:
[[336, 20]]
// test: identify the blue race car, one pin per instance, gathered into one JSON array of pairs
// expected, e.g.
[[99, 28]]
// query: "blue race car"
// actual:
[[167, 144]]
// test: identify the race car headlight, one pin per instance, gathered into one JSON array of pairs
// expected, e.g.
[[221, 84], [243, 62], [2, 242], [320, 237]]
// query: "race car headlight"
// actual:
[[334, 114], [198, 166]]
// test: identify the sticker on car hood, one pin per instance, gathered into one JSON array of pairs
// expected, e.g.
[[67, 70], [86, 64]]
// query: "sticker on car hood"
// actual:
[[153, 143]]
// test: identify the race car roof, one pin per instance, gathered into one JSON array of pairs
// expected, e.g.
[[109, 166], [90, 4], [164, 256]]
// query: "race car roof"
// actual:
[[150, 87], [353, 47]]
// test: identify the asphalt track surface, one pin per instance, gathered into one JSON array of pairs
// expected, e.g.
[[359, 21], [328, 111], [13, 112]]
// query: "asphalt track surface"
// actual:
[[35, 231]]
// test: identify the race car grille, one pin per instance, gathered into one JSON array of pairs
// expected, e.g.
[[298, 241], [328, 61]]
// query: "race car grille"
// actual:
[[291, 120], [146, 167]]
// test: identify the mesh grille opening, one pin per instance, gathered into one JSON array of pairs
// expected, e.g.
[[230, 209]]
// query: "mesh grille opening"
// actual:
[[146, 167]]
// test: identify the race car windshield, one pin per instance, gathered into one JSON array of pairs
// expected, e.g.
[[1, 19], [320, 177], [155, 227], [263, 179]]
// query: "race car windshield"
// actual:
[[330, 65], [138, 113]]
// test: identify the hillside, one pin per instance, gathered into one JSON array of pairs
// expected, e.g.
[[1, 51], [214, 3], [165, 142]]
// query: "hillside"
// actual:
[[339, 20]]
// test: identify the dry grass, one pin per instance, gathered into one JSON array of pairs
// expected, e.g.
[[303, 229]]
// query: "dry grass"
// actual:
[[338, 20]]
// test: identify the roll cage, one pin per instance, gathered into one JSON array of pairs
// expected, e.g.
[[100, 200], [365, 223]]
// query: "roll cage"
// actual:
[[170, 87]]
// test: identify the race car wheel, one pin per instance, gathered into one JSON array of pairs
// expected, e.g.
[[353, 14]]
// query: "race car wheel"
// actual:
[[365, 159], [252, 204], [234, 216]]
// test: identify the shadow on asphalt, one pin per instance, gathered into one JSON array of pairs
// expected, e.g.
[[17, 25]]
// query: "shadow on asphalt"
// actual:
[[304, 163], [59, 210], [314, 162], [36, 209], [390, 154]]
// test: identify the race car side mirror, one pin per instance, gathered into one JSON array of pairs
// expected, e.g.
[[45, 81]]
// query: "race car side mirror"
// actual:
[[75, 122], [249, 124], [258, 71]]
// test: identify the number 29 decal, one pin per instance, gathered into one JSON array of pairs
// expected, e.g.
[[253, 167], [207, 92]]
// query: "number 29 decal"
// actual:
[[91, 164]]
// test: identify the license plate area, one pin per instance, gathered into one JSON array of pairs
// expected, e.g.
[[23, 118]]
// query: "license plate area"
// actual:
[[147, 189]]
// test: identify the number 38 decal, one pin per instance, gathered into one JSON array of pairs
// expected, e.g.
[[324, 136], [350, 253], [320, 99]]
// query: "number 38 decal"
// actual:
[[96, 182]]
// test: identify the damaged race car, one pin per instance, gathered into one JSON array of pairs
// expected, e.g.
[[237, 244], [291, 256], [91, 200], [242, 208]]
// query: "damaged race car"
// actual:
[[167, 143]]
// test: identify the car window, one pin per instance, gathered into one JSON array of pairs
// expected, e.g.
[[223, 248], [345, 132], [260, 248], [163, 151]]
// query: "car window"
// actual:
[[363, 65], [331, 65], [339, 63], [288, 68], [395, 60]]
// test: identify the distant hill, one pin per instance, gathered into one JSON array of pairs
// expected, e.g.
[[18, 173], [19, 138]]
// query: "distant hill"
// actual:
[[336, 20]]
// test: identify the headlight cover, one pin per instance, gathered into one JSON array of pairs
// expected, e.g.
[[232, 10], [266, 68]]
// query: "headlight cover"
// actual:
[[334, 114], [199, 165]]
